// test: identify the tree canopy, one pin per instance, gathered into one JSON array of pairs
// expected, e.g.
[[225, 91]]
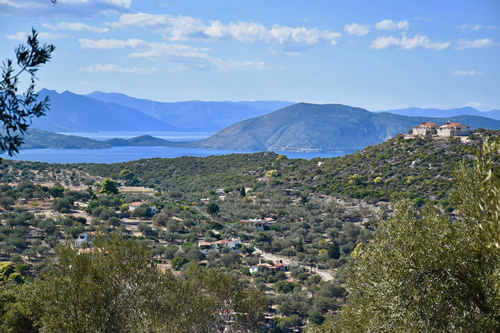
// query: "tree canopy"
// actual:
[[429, 272], [116, 286], [17, 111], [108, 187]]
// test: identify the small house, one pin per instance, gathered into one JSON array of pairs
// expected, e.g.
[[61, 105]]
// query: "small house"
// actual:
[[82, 238], [426, 128], [133, 205], [453, 129]]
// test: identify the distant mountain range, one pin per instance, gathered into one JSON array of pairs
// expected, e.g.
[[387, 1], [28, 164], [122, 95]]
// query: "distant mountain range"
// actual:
[[331, 127], [70, 112], [194, 115], [99, 111], [493, 114], [38, 139], [299, 127]]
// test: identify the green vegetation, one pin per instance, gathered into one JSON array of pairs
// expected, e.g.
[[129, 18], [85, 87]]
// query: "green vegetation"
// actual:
[[36, 139], [108, 187], [330, 127], [117, 287], [439, 275], [16, 110], [319, 215]]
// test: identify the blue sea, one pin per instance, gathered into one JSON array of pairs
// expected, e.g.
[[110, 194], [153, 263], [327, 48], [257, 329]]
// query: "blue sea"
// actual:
[[124, 154]]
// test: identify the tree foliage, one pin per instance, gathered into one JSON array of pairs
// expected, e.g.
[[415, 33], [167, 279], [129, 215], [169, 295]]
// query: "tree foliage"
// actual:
[[17, 111], [427, 273], [117, 287], [108, 187]]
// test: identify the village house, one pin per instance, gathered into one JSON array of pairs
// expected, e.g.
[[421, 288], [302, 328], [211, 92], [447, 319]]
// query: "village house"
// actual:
[[446, 130], [133, 205], [426, 128], [453, 129], [82, 238], [261, 224], [275, 267], [233, 244]]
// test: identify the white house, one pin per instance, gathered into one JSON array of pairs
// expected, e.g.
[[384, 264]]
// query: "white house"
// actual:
[[82, 238], [133, 205], [426, 128], [217, 245], [453, 129]]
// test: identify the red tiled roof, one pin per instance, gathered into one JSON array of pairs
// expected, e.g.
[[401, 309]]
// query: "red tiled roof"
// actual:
[[426, 124], [451, 125]]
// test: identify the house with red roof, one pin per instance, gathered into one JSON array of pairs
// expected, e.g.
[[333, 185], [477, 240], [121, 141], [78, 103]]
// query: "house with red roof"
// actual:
[[426, 128], [453, 129]]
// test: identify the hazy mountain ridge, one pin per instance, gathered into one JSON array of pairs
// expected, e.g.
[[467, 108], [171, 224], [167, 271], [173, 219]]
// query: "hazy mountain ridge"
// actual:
[[331, 127], [143, 140], [432, 112], [39, 139], [71, 112], [194, 115], [298, 127]]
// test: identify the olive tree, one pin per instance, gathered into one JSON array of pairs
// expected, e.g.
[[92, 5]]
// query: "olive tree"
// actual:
[[16, 111], [427, 272]]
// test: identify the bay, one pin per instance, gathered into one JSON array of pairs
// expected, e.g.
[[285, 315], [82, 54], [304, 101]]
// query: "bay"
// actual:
[[125, 154], [170, 136]]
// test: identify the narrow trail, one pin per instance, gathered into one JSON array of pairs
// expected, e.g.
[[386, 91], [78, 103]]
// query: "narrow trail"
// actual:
[[269, 256]]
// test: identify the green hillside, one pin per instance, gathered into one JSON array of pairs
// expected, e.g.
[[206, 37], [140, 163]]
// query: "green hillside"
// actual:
[[416, 168], [37, 139], [144, 140], [333, 127]]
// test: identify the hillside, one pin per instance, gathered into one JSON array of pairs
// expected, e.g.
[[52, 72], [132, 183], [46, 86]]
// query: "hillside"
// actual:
[[70, 112], [144, 140], [332, 127], [412, 167], [194, 115], [38, 139], [431, 112]]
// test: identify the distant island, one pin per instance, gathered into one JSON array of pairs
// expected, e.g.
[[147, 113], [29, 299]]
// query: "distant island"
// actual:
[[299, 127]]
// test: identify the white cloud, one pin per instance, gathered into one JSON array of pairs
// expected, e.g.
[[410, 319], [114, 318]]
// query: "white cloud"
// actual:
[[110, 43], [391, 25], [77, 26], [18, 36], [116, 69], [183, 56], [230, 65], [73, 8], [476, 27], [183, 28], [116, 3], [357, 29], [41, 35], [419, 41], [474, 105], [301, 35], [470, 72], [477, 43]]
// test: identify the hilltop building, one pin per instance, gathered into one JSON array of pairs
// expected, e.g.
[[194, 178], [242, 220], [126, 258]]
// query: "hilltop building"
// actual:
[[426, 128], [453, 129], [446, 130]]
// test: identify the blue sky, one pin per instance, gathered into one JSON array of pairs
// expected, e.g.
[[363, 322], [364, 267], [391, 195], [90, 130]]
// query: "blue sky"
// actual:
[[372, 54]]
